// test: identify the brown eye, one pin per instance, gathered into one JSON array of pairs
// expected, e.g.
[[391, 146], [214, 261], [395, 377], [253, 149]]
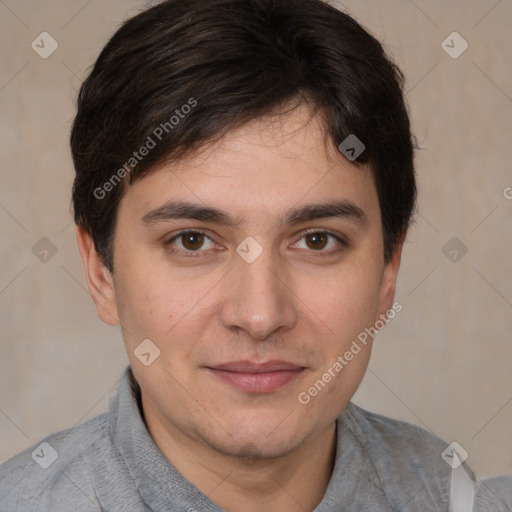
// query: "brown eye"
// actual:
[[317, 241], [192, 241], [322, 242]]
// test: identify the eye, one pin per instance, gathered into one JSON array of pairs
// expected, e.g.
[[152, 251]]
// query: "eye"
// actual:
[[320, 240], [190, 242]]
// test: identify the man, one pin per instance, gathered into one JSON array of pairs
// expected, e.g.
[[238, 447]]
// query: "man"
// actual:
[[244, 184]]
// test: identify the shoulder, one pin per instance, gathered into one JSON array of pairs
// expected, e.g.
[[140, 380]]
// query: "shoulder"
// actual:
[[392, 434], [58, 470], [494, 495], [414, 465]]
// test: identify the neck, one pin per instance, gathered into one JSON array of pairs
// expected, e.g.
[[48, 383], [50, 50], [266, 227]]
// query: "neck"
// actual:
[[295, 482]]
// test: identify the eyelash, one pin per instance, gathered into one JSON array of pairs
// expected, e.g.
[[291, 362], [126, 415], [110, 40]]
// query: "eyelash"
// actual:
[[197, 254]]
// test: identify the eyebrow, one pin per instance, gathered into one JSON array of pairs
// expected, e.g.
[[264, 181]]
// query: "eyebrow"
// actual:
[[171, 210]]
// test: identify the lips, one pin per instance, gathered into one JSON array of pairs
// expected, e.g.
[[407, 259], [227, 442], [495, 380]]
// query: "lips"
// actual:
[[250, 367], [253, 377]]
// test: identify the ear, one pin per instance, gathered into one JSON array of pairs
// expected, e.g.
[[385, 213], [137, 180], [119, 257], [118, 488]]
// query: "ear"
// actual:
[[388, 285], [99, 279]]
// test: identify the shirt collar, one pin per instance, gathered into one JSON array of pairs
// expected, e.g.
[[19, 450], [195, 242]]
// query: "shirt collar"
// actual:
[[160, 485]]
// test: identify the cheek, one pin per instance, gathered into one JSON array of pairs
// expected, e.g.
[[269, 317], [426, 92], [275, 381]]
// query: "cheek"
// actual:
[[162, 305], [146, 305], [347, 302]]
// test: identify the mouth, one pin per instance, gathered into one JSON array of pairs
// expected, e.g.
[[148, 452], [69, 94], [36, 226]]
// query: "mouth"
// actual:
[[253, 377]]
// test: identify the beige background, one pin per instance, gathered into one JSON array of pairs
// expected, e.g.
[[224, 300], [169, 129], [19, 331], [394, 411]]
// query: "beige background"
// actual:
[[443, 363]]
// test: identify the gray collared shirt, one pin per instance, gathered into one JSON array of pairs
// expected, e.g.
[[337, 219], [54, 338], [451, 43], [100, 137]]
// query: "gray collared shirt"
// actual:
[[110, 463]]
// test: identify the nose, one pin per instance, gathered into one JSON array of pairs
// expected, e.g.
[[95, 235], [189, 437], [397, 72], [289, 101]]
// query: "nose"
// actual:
[[259, 298]]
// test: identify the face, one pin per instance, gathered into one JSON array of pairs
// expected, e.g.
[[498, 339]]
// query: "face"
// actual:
[[252, 291]]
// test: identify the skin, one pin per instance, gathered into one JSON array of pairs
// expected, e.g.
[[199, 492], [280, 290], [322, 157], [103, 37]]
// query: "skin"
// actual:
[[299, 301]]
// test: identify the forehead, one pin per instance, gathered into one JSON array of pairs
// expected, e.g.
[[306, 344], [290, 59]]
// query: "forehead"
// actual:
[[266, 166]]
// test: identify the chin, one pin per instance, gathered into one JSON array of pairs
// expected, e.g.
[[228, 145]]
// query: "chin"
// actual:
[[256, 443], [252, 451]]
